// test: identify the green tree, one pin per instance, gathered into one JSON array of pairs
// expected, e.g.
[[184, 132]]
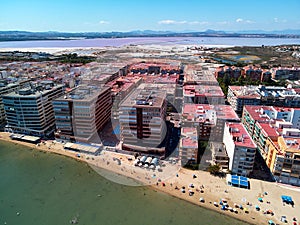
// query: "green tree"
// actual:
[[214, 169], [241, 81], [226, 79]]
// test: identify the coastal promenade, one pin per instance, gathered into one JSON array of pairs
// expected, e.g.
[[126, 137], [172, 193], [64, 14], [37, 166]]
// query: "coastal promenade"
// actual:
[[197, 184]]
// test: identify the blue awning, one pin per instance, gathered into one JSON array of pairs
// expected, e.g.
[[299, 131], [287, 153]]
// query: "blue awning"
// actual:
[[244, 183], [287, 199], [235, 181], [239, 181]]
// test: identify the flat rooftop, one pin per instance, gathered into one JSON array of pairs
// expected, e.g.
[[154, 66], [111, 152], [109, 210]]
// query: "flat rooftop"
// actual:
[[35, 90], [203, 90], [269, 130], [200, 112], [190, 137], [240, 136], [83, 93], [145, 98], [81, 147], [262, 91], [169, 88], [261, 113], [163, 66], [199, 74], [123, 83], [219, 149]]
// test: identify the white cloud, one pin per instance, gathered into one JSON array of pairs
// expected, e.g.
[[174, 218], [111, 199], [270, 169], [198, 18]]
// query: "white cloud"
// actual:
[[103, 22], [198, 23], [276, 20], [174, 22], [168, 22], [240, 20]]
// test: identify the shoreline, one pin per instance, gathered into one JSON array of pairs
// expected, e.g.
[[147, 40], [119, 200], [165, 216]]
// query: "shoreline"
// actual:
[[214, 188]]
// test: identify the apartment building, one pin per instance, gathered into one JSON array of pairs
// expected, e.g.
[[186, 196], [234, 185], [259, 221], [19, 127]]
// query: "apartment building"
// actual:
[[81, 113], [208, 119], [120, 88], [283, 159], [188, 149], [203, 94], [142, 121], [200, 74], [263, 122], [240, 149], [231, 71], [6, 88], [253, 73], [30, 111], [238, 96], [286, 73], [155, 68], [219, 155]]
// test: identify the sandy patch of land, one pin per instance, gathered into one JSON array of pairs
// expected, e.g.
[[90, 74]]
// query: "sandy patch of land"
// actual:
[[211, 189]]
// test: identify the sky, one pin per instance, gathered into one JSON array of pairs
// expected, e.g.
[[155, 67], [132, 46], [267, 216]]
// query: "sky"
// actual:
[[159, 15]]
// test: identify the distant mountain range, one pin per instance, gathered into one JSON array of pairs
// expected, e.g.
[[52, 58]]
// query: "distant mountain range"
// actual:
[[53, 35]]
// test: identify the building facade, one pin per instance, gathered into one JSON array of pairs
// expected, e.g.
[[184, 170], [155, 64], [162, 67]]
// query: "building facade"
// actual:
[[5, 89], [208, 119], [240, 149], [188, 149], [30, 111], [81, 113], [238, 96], [142, 121], [284, 159], [263, 122], [201, 94]]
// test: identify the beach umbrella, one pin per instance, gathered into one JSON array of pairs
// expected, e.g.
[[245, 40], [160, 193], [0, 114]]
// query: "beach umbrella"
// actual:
[[224, 200], [271, 222], [260, 199], [223, 207], [257, 207], [216, 204], [201, 199], [241, 207]]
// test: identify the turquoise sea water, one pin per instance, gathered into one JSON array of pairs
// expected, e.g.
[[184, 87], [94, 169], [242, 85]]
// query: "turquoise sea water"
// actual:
[[39, 188]]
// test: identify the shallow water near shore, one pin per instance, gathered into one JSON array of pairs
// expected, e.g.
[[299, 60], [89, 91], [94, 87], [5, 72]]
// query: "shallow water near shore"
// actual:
[[43, 188]]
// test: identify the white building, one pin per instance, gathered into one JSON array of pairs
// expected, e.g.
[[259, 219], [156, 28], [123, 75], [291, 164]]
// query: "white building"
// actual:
[[240, 149]]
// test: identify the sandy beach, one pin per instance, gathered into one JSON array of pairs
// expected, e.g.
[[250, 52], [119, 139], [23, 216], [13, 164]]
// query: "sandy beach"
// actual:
[[202, 184]]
